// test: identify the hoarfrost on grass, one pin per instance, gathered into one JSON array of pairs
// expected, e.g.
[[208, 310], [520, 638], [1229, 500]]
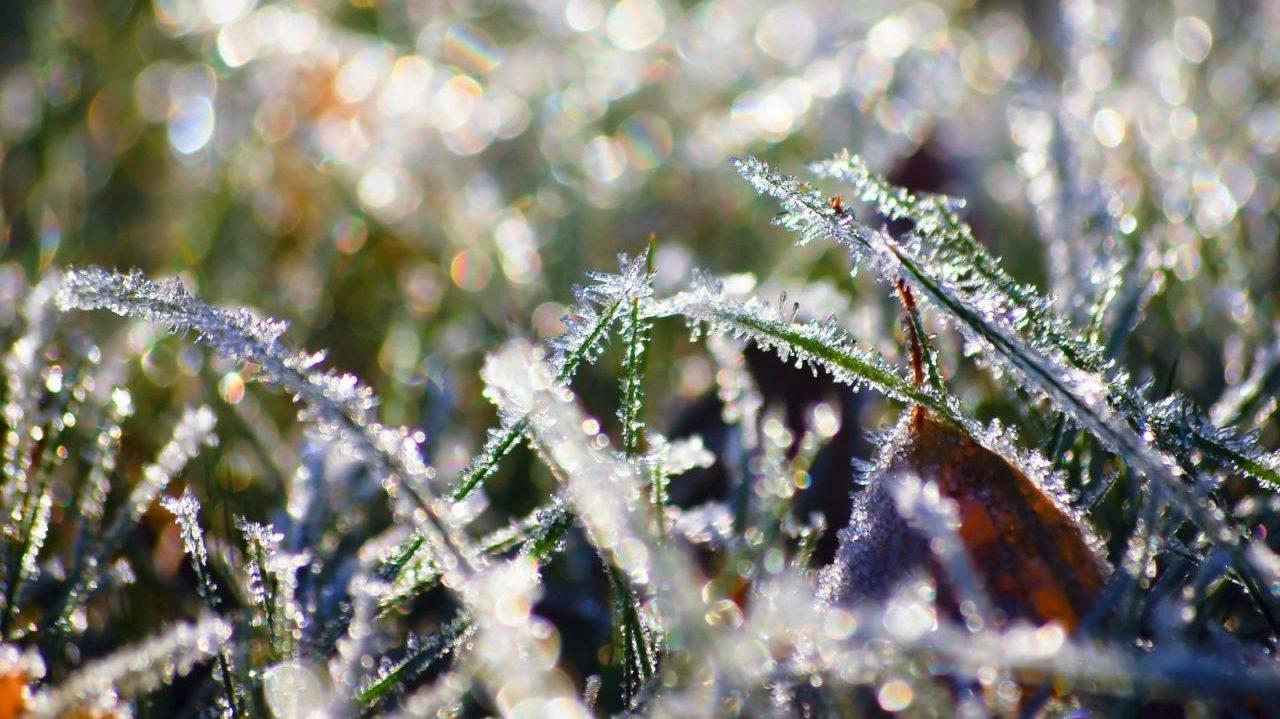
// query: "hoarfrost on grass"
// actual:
[[104, 683], [337, 404]]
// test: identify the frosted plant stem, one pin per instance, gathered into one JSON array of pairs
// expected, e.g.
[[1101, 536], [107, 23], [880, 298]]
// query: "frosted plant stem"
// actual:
[[635, 335], [599, 307], [607, 492], [442, 699], [924, 362], [132, 671], [22, 366], [502, 441], [193, 431], [272, 584], [186, 511], [422, 655], [820, 344]]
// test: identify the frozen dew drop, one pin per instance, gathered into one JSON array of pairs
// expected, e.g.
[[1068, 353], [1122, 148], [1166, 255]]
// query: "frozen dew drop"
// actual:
[[635, 24], [1109, 127], [895, 695], [294, 690], [191, 124], [1193, 38]]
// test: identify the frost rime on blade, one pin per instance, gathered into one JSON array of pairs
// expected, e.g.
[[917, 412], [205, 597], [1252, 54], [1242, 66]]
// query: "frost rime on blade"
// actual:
[[598, 308], [337, 404], [605, 490], [133, 671], [22, 366], [816, 344]]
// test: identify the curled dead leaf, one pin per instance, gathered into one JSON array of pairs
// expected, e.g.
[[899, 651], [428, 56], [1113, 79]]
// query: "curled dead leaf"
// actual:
[[1032, 558]]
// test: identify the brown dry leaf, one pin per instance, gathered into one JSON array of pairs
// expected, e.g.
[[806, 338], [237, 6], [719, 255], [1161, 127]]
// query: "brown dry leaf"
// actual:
[[18, 669], [1032, 557], [13, 699]]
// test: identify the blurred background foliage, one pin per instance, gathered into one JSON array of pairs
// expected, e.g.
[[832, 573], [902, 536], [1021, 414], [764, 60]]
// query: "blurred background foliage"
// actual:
[[409, 182]]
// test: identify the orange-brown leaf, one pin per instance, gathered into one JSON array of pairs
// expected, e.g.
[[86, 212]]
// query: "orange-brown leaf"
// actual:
[[1031, 556]]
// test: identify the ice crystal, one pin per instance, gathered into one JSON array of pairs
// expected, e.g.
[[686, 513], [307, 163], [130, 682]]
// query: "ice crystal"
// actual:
[[294, 689], [598, 305], [710, 524], [678, 456]]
